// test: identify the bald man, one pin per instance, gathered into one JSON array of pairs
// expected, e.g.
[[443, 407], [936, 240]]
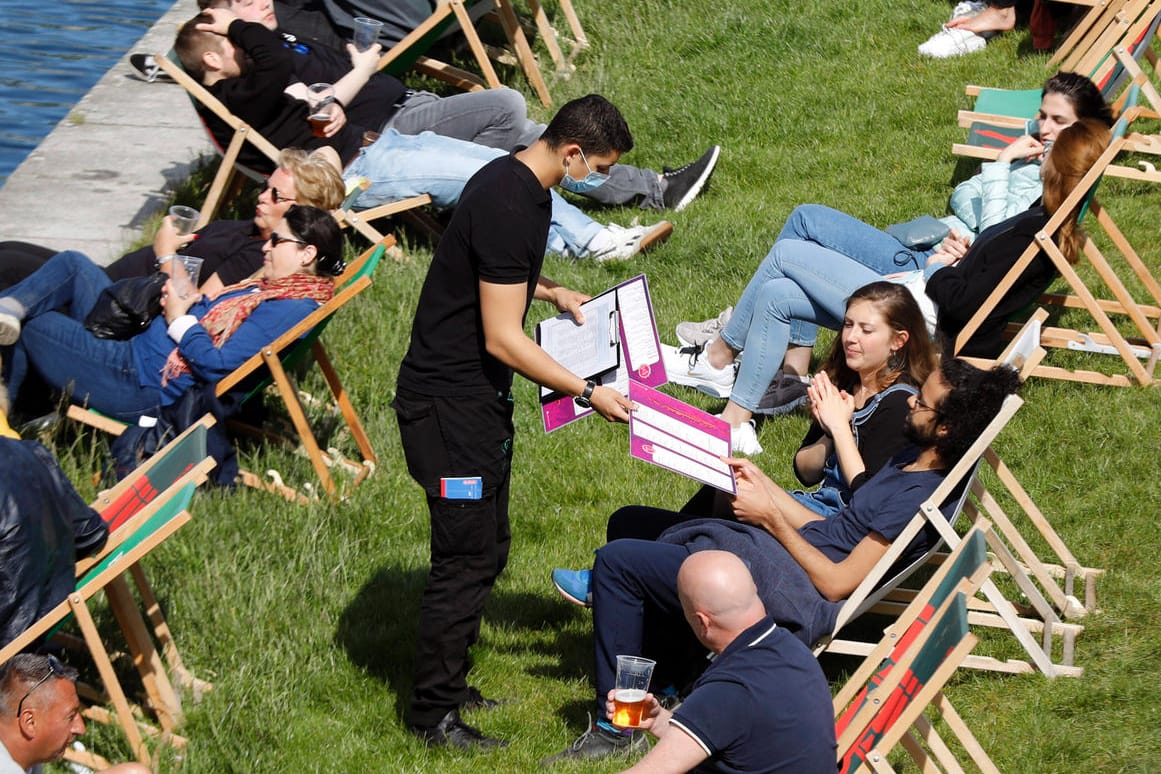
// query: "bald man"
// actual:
[[762, 705]]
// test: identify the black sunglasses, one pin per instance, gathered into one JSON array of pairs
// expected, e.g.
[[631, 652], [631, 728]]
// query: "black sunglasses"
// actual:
[[278, 198], [54, 668], [276, 239]]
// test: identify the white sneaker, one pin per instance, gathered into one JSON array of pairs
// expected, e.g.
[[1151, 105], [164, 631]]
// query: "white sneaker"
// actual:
[[952, 42], [688, 366], [628, 241], [691, 334], [744, 439]]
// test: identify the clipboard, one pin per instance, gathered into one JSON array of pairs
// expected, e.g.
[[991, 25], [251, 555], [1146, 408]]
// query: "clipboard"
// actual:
[[640, 353], [591, 350]]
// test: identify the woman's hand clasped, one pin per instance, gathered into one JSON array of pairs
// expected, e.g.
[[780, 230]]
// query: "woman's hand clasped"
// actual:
[[830, 406]]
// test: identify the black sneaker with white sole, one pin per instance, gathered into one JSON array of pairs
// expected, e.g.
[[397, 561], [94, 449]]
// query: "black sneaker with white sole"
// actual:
[[147, 66], [681, 186]]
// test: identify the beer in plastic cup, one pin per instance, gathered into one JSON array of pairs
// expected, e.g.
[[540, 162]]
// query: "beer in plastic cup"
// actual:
[[630, 689], [320, 97]]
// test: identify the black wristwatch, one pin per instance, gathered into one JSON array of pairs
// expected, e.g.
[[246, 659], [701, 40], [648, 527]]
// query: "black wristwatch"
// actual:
[[584, 400]]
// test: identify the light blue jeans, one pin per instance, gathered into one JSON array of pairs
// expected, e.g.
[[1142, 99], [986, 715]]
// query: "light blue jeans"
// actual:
[[801, 284], [401, 166]]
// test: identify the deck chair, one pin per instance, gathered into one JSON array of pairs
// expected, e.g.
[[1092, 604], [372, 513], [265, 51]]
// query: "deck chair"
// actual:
[[224, 180], [999, 115], [411, 51], [552, 39], [1047, 641], [160, 519], [1109, 339], [1069, 586], [890, 708], [273, 365]]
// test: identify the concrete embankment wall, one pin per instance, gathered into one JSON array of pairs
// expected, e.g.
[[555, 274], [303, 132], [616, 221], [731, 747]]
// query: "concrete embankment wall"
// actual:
[[107, 165]]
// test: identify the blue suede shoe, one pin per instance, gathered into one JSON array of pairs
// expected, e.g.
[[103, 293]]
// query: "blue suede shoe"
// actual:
[[574, 585]]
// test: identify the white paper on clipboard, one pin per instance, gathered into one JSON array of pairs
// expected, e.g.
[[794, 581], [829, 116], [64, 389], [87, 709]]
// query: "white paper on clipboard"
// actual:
[[587, 350]]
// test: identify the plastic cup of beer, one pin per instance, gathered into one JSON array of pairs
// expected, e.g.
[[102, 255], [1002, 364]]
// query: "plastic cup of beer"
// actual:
[[630, 689], [320, 97], [184, 218], [184, 271], [366, 32]]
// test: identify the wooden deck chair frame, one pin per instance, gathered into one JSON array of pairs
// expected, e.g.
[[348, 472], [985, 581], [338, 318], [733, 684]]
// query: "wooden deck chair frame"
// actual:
[[244, 133], [1109, 340], [946, 640], [995, 610], [577, 43], [1070, 586], [156, 523], [1085, 31], [124, 507], [445, 10]]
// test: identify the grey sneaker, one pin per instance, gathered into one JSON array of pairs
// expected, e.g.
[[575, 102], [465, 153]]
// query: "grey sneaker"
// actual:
[[784, 394], [681, 186], [693, 334], [599, 742], [9, 329], [632, 240]]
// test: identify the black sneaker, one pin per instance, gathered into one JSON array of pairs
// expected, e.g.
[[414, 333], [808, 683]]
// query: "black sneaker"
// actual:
[[681, 186], [784, 394], [599, 742], [453, 732], [147, 66]]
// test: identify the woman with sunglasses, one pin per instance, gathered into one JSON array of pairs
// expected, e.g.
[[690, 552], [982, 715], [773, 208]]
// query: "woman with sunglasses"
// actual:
[[231, 249], [195, 339]]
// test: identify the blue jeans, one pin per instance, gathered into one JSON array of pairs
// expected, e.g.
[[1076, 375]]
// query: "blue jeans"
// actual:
[[401, 166], [798, 281], [101, 373]]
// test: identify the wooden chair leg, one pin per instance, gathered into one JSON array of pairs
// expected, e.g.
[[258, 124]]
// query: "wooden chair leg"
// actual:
[[523, 51], [109, 678], [477, 46], [163, 698], [344, 402], [298, 417]]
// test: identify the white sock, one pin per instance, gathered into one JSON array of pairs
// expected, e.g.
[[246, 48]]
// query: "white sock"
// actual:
[[13, 307]]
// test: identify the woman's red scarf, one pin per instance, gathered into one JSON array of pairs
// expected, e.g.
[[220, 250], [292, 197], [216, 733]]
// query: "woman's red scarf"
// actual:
[[225, 318]]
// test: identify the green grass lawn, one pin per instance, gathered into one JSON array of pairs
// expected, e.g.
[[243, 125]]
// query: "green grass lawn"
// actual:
[[305, 617]]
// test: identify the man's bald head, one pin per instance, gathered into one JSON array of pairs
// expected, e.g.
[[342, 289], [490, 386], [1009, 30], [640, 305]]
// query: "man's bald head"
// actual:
[[718, 596]]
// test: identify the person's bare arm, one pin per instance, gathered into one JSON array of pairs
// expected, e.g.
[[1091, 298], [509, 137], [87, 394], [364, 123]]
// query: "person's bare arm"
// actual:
[[759, 498], [502, 310], [674, 753]]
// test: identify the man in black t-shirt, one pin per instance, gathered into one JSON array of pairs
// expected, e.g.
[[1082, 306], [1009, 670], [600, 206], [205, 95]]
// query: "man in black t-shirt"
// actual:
[[453, 400]]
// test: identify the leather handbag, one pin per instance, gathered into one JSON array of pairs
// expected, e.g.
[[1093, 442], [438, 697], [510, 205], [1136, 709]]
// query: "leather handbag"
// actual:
[[126, 307]]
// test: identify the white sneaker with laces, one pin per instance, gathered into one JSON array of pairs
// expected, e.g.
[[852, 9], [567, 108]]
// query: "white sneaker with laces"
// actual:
[[949, 42], [688, 366], [691, 334], [744, 439], [628, 241]]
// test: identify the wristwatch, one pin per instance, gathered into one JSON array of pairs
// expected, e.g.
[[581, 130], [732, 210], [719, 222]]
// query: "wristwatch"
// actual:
[[584, 400]]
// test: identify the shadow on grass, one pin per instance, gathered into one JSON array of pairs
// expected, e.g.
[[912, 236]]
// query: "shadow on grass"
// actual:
[[378, 629]]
